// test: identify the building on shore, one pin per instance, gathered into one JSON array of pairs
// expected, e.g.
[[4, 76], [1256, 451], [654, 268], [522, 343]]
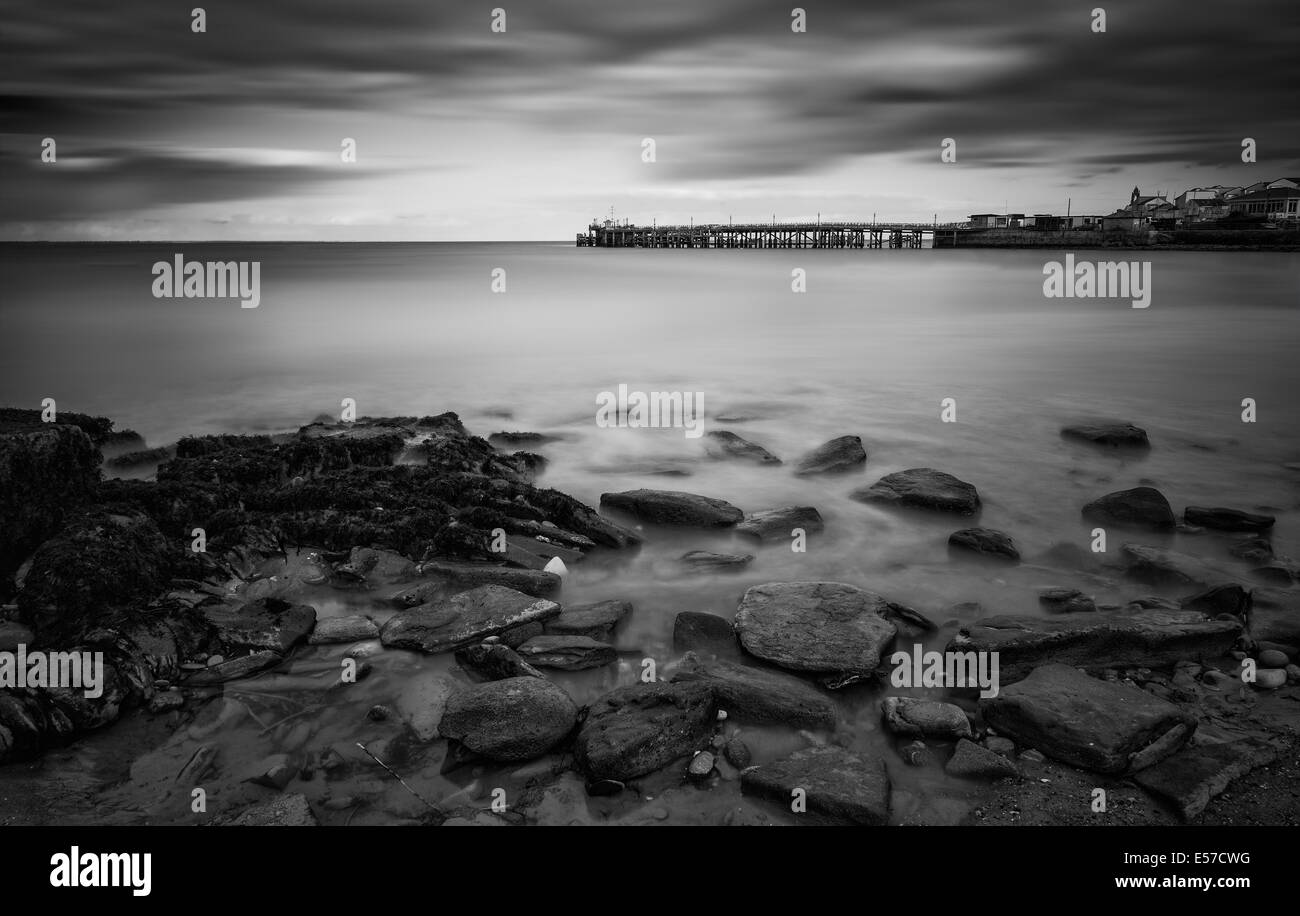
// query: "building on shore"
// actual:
[[997, 220], [1276, 201]]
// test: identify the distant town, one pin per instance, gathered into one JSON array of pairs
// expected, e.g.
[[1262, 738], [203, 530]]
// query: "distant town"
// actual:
[[1265, 204]]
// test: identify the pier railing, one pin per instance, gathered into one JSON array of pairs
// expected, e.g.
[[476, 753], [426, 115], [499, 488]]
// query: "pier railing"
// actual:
[[767, 235]]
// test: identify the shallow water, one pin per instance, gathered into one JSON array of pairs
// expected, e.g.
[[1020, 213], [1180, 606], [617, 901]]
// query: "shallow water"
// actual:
[[873, 347]]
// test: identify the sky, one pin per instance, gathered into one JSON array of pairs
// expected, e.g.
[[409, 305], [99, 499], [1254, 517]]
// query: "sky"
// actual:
[[463, 133]]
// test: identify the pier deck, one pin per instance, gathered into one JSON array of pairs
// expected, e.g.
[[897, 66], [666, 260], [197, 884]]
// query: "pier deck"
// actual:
[[760, 235]]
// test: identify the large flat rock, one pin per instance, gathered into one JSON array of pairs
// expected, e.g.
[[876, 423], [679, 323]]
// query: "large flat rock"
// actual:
[[1104, 726], [596, 620], [517, 718], [465, 619], [1164, 567], [838, 786], [641, 728], [1191, 778], [1117, 639], [445, 574], [673, 507], [762, 695], [922, 488], [819, 627], [269, 624]]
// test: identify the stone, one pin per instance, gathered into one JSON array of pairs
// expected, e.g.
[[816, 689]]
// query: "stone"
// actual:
[[837, 456], [465, 619], [641, 728], [840, 787], [1252, 549], [285, 811], [495, 662], [269, 624], [1164, 567], [1106, 639], [779, 524], [567, 653], [737, 753], [1270, 678], [762, 695], [14, 634], [819, 627], [1221, 519], [446, 575], [970, 761], [1066, 601], [1104, 726], [1140, 507], [915, 754], [912, 717], [701, 765], [922, 488], [721, 443], [538, 553], [1112, 435], [235, 668], [596, 620], [705, 634], [330, 630], [985, 543], [704, 561], [1272, 658], [1191, 778], [672, 507], [1228, 598], [515, 719], [999, 745]]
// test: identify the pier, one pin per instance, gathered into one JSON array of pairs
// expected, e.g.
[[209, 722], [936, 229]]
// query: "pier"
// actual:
[[770, 235]]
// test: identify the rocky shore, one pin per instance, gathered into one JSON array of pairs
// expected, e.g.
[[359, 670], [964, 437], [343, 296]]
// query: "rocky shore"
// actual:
[[201, 581]]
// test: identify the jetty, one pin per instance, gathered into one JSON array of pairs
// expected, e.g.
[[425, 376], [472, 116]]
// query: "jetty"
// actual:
[[611, 234]]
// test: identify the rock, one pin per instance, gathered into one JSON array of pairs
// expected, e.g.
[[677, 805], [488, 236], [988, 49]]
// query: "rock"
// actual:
[[912, 717], [672, 507], [779, 524], [1004, 747], [421, 702], [269, 624], [1270, 678], [539, 553], [704, 634], [704, 561], [1111, 435], [638, 729], [1193, 776], [520, 440], [1067, 555], [737, 753], [568, 653], [835, 457], [970, 761], [235, 668], [274, 772], [1278, 572], [1097, 725], [761, 695], [1272, 658], [725, 444], [910, 622], [284, 811], [465, 619], [353, 628], [1293, 673], [1161, 566], [915, 754], [922, 488], [1227, 519], [1252, 549], [820, 627], [447, 574], [14, 634], [1140, 507], [1066, 601], [1229, 598], [495, 662], [1147, 639], [840, 787], [701, 765], [515, 719], [986, 543], [597, 620]]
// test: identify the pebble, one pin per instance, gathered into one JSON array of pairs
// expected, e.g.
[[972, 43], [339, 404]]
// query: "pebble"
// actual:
[[1270, 678], [1002, 746], [1272, 658], [1033, 756], [379, 713], [1293, 672], [737, 753], [701, 765], [722, 715], [916, 754], [215, 660]]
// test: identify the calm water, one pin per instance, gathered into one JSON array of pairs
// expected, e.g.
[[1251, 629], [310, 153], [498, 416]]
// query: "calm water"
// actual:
[[872, 348]]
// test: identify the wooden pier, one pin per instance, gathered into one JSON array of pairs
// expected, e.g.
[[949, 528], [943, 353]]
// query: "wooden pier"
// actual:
[[767, 235]]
